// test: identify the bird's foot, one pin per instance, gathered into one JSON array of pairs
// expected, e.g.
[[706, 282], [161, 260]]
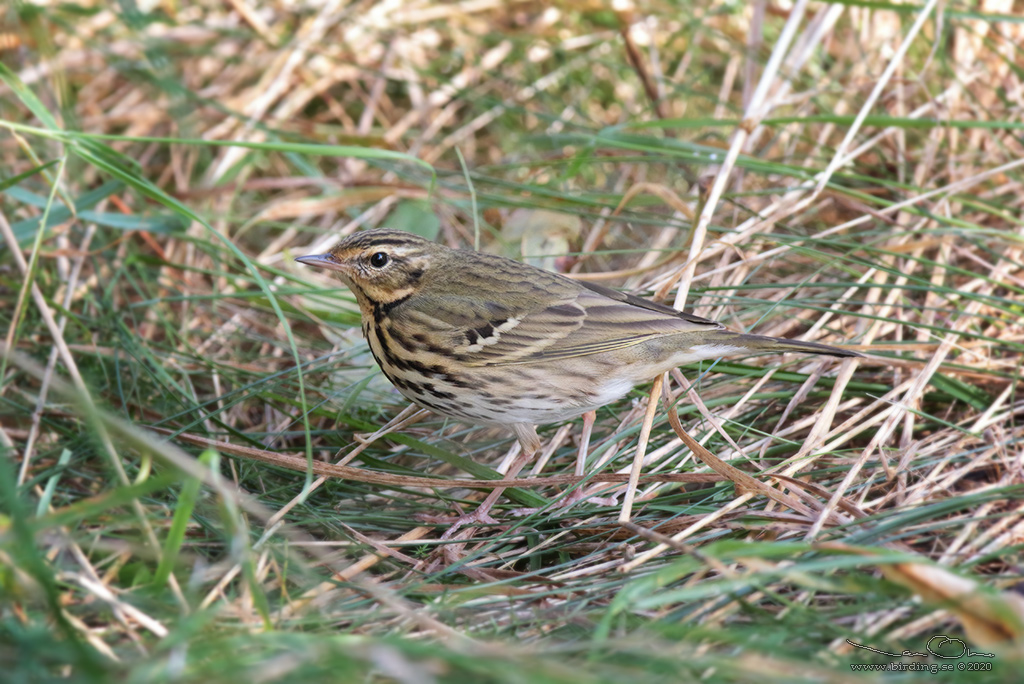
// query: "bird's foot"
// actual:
[[461, 530], [477, 517]]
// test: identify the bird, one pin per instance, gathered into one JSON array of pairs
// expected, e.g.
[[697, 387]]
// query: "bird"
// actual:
[[488, 340]]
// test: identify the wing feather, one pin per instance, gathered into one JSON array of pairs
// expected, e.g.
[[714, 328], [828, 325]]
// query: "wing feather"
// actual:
[[572, 319]]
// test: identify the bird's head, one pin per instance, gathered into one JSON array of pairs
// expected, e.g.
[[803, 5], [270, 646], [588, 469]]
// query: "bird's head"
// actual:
[[380, 266]]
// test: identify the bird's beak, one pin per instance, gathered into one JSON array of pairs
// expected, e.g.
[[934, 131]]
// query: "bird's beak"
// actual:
[[327, 261]]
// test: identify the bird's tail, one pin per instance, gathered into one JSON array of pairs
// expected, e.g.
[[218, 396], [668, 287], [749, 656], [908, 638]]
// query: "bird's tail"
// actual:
[[762, 344]]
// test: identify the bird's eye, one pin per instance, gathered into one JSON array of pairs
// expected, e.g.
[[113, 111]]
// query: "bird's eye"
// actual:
[[379, 260]]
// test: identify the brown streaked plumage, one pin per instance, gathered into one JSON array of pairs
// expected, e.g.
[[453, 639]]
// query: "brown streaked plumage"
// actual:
[[488, 340]]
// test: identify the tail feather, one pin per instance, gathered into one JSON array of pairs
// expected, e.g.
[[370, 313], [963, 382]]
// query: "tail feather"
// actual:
[[762, 344]]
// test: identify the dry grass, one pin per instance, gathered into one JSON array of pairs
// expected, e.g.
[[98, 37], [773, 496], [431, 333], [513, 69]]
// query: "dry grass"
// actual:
[[860, 183]]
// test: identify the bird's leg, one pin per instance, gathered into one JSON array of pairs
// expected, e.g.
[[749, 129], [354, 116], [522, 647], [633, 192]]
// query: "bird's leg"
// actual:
[[530, 444], [581, 457], [581, 463]]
